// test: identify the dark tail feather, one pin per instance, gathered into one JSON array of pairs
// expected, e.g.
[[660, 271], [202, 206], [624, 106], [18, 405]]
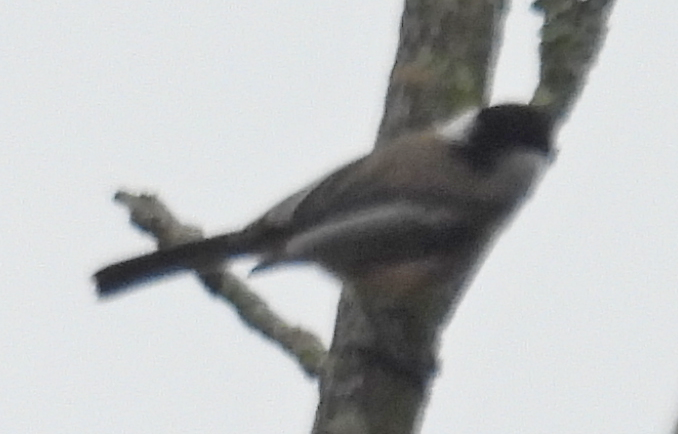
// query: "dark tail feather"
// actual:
[[124, 275]]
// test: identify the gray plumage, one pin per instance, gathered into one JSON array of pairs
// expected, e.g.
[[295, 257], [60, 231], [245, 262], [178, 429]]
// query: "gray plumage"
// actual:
[[427, 196]]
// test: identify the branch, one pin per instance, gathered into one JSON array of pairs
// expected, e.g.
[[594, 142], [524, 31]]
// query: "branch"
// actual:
[[571, 38], [444, 63], [150, 215]]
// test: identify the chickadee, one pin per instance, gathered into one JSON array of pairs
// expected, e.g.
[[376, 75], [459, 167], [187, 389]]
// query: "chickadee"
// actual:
[[414, 213]]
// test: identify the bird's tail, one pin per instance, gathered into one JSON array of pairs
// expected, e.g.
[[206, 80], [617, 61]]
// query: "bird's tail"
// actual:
[[124, 275]]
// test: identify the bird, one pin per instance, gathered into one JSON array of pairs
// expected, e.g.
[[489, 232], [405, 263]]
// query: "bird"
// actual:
[[417, 211]]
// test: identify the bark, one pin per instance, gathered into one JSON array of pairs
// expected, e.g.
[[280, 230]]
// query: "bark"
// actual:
[[571, 38], [443, 64]]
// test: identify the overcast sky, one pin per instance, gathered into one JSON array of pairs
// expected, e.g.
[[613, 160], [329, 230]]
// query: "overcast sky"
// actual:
[[223, 108]]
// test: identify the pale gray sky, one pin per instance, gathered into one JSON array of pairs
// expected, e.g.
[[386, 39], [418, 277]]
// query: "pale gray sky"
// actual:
[[225, 107]]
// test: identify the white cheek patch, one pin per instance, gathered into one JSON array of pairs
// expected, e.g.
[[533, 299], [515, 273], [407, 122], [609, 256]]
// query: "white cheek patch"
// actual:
[[518, 173], [458, 128]]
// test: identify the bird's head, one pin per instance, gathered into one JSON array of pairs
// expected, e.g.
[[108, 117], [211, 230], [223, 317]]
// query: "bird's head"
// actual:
[[484, 134], [512, 125]]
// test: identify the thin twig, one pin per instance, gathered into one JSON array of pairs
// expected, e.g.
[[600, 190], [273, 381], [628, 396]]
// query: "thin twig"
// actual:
[[151, 216], [571, 38]]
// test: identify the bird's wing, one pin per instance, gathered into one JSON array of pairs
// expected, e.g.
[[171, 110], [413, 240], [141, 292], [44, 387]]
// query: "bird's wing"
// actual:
[[314, 196], [370, 210]]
